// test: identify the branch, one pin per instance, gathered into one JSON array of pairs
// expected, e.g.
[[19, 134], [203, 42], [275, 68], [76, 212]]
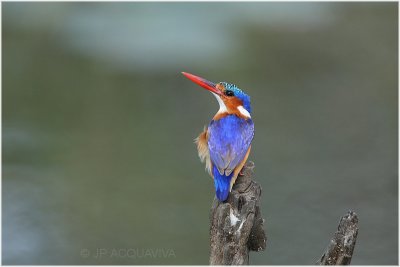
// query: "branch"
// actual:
[[236, 224], [340, 250]]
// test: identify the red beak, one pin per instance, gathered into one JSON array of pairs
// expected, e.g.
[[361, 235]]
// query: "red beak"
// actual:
[[210, 86]]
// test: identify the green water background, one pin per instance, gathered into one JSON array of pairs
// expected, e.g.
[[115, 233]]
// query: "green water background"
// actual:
[[98, 127]]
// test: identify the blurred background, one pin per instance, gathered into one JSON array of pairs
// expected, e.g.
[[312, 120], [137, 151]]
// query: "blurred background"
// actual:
[[98, 127]]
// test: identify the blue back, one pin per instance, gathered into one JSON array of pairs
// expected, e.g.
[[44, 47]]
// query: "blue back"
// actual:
[[229, 139]]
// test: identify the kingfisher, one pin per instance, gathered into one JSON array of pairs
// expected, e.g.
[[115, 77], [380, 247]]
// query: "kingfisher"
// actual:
[[224, 145]]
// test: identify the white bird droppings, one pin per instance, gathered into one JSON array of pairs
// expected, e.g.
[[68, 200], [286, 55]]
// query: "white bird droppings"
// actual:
[[234, 219], [240, 226]]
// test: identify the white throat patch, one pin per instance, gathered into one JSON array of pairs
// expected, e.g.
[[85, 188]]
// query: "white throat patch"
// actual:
[[222, 107]]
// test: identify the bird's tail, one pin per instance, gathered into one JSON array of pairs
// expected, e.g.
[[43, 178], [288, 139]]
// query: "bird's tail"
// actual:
[[222, 184]]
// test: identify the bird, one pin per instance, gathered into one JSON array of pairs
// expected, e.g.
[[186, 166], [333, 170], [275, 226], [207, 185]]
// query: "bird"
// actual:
[[224, 145]]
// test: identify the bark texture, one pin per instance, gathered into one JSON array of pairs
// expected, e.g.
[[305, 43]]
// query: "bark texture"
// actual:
[[236, 224], [341, 247], [237, 227]]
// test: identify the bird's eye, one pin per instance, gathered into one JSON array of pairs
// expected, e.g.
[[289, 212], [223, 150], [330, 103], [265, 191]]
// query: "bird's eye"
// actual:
[[229, 93]]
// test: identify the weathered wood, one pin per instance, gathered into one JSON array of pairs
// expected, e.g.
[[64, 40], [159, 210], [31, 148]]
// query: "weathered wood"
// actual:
[[341, 247], [236, 224]]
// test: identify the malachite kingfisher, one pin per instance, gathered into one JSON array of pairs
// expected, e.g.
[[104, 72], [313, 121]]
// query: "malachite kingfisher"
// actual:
[[225, 144]]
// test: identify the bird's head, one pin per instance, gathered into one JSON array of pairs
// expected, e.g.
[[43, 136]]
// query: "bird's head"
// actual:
[[231, 99]]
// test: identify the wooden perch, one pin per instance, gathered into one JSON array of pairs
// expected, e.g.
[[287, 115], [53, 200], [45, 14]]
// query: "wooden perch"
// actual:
[[236, 224], [237, 227], [340, 249]]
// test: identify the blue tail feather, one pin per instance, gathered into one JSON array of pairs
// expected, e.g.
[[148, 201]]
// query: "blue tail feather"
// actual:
[[222, 184]]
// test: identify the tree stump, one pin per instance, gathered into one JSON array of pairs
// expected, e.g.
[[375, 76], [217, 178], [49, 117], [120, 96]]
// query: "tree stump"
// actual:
[[236, 224], [237, 227], [341, 247]]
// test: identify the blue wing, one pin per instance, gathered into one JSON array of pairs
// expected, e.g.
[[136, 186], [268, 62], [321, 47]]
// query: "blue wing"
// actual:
[[229, 139]]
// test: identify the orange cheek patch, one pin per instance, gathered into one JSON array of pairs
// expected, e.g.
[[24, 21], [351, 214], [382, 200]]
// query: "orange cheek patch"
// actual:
[[232, 103]]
